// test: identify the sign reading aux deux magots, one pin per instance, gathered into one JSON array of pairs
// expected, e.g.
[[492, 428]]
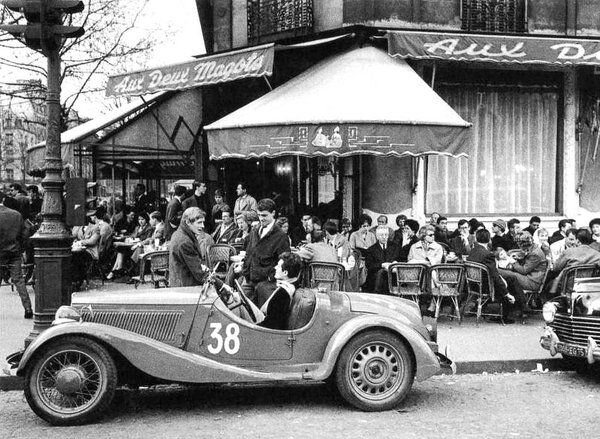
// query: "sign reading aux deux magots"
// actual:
[[214, 69]]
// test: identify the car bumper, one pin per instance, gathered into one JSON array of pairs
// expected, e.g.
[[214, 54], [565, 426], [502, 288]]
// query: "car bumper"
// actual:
[[552, 343]]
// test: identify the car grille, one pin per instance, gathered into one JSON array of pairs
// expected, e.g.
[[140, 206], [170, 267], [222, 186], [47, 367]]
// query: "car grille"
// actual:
[[576, 329], [159, 325]]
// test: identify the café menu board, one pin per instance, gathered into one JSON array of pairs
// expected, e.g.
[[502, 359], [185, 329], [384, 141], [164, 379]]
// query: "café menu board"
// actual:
[[213, 69]]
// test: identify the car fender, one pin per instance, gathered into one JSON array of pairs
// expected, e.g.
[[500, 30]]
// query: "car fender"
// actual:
[[152, 357], [427, 363]]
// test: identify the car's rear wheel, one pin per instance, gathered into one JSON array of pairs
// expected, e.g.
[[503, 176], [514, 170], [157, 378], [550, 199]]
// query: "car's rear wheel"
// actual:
[[71, 381], [375, 371]]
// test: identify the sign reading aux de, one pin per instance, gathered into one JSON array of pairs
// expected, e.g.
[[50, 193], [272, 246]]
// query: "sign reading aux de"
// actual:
[[214, 69], [499, 49]]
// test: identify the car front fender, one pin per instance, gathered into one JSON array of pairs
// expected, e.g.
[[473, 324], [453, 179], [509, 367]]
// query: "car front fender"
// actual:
[[427, 363], [152, 357]]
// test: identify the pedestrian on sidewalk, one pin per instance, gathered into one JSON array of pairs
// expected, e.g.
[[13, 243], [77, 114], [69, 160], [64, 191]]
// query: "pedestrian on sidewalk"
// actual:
[[12, 231]]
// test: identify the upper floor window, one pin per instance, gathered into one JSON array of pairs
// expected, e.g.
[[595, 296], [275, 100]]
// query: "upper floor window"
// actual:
[[269, 17], [8, 139], [10, 174], [505, 16]]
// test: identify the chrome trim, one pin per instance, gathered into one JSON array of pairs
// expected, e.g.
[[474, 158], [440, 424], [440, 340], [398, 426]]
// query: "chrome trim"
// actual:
[[550, 341]]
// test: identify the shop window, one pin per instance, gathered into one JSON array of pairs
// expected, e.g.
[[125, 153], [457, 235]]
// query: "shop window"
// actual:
[[505, 16], [271, 17], [512, 163]]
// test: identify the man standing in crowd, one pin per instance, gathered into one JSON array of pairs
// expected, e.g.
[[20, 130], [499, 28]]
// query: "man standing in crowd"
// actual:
[[142, 203], [534, 224], [201, 200], [245, 203], [174, 212], [482, 255], [185, 256], [377, 260], [16, 191], [299, 232], [226, 229], [561, 233], [11, 241], [265, 244], [500, 239]]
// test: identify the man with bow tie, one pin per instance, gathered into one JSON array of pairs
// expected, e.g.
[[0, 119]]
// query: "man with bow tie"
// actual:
[[378, 258]]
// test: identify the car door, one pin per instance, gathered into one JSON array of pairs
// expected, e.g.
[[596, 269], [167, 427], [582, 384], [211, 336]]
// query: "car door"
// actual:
[[230, 339]]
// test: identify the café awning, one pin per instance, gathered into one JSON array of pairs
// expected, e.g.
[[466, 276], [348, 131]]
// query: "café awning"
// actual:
[[358, 102], [503, 49]]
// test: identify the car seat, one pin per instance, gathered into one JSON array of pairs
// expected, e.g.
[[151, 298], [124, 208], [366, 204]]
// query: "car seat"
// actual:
[[302, 308]]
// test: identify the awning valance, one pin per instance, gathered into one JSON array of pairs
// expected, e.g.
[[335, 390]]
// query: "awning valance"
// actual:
[[358, 102], [211, 69], [493, 48]]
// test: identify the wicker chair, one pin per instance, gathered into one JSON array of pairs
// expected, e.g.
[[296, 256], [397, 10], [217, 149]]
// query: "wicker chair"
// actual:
[[328, 275], [446, 282], [480, 286], [219, 258], [407, 280], [158, 263]]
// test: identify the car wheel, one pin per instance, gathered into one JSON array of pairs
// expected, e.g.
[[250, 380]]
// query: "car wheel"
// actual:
[[71, 381], [375, 371]]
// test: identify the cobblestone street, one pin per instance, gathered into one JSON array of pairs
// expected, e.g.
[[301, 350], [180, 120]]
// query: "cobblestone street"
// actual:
[[524, 405]]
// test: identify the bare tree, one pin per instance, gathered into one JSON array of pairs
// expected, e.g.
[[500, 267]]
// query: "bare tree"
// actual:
[[112, 44]]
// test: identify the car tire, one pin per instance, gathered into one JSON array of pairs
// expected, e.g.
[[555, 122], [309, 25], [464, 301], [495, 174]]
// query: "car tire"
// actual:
[[375, 371], [71, 381]]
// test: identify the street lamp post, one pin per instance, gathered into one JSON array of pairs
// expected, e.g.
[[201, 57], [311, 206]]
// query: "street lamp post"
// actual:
[[45, 32]]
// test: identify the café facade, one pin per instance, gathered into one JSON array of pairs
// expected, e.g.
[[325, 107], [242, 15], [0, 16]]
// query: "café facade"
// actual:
[[532, 103]]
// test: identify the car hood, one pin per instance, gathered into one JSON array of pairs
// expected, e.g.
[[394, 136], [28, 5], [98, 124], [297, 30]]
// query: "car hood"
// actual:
[[395, 307], [166, 296]]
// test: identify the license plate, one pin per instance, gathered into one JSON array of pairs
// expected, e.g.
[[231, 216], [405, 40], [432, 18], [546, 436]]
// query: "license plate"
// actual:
[[570, 350]]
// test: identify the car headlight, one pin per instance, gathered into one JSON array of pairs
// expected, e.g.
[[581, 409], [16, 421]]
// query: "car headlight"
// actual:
[[548, 311], [66, 314]]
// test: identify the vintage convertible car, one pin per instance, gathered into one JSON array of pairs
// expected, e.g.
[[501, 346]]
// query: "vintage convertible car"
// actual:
[[573, 324], [372, 347]]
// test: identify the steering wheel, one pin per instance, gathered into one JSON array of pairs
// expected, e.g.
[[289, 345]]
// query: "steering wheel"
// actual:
[[225, 296]]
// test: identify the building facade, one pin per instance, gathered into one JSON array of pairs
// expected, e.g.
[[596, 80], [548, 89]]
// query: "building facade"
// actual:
[[534, 141]]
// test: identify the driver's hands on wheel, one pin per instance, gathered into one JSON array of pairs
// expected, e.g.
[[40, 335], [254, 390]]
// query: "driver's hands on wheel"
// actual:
[[228, 295]]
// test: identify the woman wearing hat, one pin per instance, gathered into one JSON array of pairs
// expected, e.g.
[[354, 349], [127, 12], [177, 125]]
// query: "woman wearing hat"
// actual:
[[500, 239]]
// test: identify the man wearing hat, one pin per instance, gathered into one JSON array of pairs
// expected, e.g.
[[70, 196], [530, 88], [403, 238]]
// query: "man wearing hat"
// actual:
[[500, 239], [528, 271]]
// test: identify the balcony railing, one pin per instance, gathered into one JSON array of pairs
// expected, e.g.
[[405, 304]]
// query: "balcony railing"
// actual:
[[503, 16], [267, 18]]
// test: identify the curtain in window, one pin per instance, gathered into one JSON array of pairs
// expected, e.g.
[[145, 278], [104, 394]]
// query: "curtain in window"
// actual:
[[511, 167]]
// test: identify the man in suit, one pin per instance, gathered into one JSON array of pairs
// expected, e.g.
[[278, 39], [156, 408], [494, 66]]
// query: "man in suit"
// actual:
[[265, 244], [200, 199], [462, 244], [378, 258], [563, 226], [174, 212], [227, 229], [12, 232], [502, 288], [529, 270]]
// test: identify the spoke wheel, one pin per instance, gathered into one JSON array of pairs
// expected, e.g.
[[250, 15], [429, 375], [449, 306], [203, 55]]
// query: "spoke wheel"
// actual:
[[71, 382], [375, 371]]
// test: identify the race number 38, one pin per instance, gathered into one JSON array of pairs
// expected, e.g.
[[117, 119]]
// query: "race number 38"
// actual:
[[231, 341]]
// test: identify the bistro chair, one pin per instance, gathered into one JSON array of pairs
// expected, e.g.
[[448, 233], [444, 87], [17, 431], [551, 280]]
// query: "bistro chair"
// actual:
[[407, 280], [568, 276], [446, 282], [480, 287], [157, 263], [327, 275], [219, 258]]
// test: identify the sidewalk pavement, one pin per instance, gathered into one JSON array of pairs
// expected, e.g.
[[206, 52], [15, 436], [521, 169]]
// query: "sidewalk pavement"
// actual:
[[487, 348]]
